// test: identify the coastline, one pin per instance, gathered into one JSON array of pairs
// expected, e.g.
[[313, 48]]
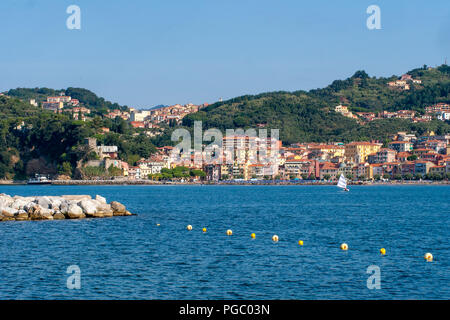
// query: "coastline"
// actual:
[[225, 183]]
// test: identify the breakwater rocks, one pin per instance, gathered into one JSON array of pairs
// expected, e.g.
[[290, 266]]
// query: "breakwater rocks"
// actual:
[[19, 208]]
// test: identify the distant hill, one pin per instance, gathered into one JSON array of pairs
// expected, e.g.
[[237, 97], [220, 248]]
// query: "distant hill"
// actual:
[[310, 116], [86, 97]]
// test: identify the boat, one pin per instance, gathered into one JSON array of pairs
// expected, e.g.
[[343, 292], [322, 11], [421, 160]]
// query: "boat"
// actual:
[[39, 179], [342, 183]]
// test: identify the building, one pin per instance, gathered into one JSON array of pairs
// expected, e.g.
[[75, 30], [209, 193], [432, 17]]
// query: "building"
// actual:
[[422, 167], [438, 170], [401, 146], [384, 155], [443, 115], [63, 99], [107, 151], [359, 151], [328, 169]]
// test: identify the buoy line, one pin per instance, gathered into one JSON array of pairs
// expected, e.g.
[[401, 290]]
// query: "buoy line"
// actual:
[[275, 238]]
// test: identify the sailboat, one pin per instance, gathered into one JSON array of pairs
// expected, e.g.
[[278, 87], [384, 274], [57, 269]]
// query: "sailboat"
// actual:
[[342, 183]]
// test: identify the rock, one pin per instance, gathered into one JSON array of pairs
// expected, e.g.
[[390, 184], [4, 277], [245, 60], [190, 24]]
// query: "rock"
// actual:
[[57, 208], [5, 201], [64, 207], [19, 204], [44, 202], [100, 199], [58, 216], [75, 212], [47, 214], [118, 208], [21, 215], [105, 209], [76, 197], [39, 213], [9, 212], [56, 203], [89, 207]]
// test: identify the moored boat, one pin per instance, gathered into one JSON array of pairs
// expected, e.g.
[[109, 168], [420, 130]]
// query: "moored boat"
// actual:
[[39, 179]]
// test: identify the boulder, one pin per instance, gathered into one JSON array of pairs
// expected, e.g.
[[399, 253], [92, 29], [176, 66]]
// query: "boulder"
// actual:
[[100, 199], [21, 215], [76, 197], [6, 201], [44, 202], [58, 216], [118, 208], [75, 212], [40, 213], [47, 214], [104, 210], [89, 207], [56, 203], [55, 208], [19, 204], [9, 212], [64, 207]]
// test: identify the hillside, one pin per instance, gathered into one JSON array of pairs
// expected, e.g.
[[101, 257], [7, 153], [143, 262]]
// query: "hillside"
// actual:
[[35, 140], [310, 116], [87, 98]]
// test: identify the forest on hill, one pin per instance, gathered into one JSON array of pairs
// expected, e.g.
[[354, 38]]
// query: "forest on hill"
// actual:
[[32, 139], [310, 116]]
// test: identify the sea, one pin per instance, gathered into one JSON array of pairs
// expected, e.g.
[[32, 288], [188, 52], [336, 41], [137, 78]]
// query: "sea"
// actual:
[[152, 255]]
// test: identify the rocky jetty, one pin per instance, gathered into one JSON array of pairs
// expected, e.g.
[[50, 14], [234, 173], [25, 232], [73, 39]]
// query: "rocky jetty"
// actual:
[[19, 208]]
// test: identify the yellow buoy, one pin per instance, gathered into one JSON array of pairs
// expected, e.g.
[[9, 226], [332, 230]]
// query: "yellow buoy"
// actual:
[[229, 232], [428, 256], [253, 236], [344, 246], [275, 238], [383, 251], [204, 229], [157, 224], [189, 227], [300, 242]]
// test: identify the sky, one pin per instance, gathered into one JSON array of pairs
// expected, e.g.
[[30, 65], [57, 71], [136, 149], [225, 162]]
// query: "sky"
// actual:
[[143, 53]]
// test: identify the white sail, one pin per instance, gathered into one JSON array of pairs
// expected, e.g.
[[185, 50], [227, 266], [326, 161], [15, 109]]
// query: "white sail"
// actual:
[[342, 183]]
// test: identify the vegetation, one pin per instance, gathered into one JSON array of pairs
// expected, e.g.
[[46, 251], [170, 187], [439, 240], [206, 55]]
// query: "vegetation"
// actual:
[[177, 173], [85, 97], [33, 140], [310, 116]]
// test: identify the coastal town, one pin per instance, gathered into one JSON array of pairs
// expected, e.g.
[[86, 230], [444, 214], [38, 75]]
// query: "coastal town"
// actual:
[[403, 156], [247, 158], [406, 157]]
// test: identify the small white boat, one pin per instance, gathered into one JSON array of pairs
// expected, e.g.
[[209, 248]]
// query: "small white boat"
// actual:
[[342, 183], [39, 179]]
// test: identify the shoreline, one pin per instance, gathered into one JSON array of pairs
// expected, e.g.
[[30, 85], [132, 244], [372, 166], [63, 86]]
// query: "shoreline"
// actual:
[[224, 183]]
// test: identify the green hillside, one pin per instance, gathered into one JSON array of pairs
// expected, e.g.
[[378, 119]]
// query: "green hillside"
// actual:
[[87, 98], [310, 116], [33, 140]]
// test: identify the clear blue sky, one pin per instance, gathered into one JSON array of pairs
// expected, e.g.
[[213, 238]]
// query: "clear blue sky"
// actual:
[[143, 53]]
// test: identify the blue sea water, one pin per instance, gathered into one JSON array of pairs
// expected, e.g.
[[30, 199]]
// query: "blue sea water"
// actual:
[[133, 258]]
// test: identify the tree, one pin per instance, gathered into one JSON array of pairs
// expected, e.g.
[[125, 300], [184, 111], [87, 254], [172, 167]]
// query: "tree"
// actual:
[[408, 176], [197, 173], [114, 171], [65, 168]]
